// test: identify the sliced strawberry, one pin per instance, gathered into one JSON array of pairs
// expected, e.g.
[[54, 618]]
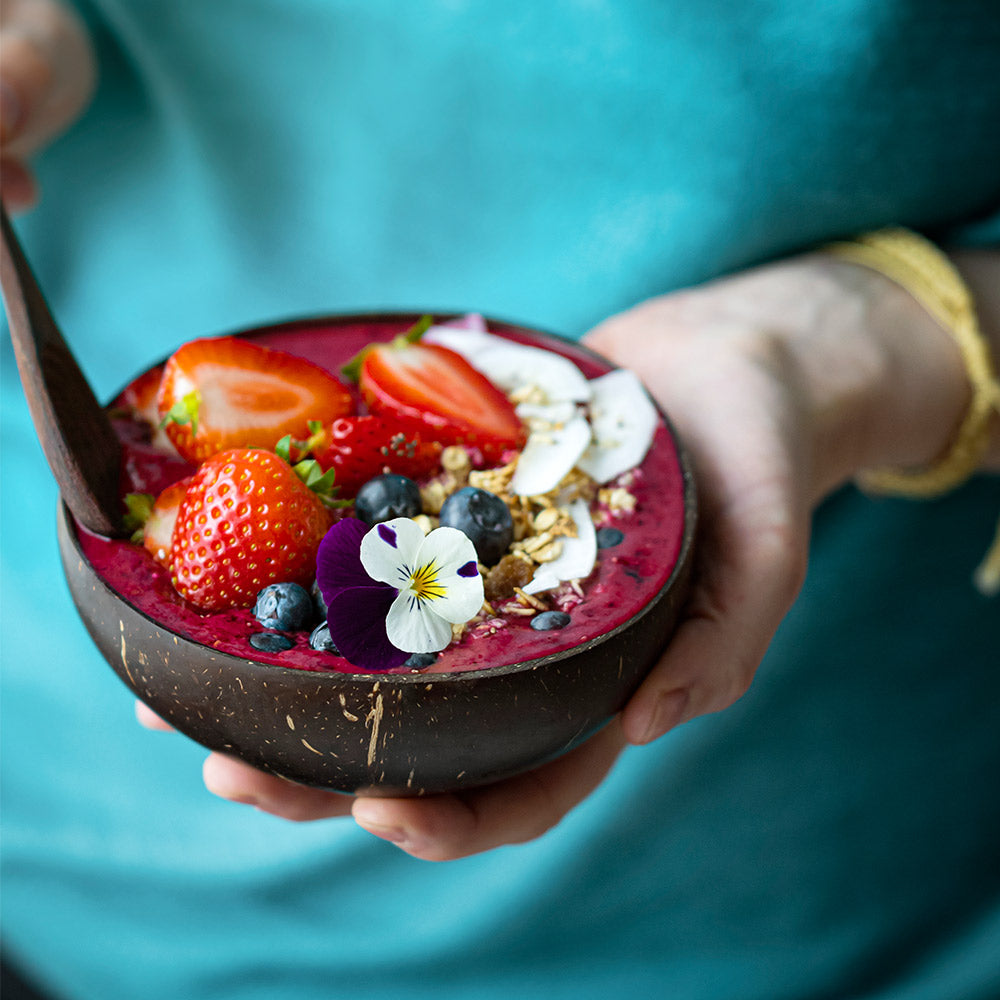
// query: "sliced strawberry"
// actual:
[[226, 392], [360, 448], [139, 401], [140, 397], [436, 386], [154, 520], [246, 520], [158, 532]]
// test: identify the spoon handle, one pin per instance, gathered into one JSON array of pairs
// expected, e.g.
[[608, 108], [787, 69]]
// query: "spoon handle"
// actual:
[[74, 430]]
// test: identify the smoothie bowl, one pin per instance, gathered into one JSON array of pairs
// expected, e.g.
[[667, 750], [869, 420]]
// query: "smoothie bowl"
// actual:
[[499, 552]]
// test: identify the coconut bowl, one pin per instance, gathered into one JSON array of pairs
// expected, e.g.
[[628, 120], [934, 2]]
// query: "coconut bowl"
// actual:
[[389, 733]]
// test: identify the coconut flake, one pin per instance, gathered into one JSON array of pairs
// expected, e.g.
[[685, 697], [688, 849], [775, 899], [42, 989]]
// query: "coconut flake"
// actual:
[[576, 562], [548, 456], [548, 413], [623, 420]]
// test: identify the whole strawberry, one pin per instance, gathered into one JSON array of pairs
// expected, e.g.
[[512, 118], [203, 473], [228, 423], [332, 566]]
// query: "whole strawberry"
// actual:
[[246, 520], [360, 448]]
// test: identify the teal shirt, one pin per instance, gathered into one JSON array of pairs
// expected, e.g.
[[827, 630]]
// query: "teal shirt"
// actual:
[[833, 834]]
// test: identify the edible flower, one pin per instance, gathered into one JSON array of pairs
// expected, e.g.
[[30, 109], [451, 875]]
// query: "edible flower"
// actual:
[[391, 591]]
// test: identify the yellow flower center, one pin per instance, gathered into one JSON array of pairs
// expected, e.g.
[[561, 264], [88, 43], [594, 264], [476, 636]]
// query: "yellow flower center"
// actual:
[[424, 583]]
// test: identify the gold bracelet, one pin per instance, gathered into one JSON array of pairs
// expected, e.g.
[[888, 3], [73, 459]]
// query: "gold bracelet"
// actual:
[[926, 273]]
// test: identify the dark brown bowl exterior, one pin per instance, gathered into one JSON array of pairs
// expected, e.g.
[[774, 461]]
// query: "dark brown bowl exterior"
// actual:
[[391, 734]]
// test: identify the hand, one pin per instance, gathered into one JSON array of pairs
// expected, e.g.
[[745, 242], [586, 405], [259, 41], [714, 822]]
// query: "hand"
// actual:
[[783, 383], [47, 74], [439, 827]]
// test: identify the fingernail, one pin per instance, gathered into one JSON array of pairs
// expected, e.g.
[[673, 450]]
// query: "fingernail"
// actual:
[[665, 713], [368, 815], [10, 111], [244, 798], [220, 785], [394, 834]]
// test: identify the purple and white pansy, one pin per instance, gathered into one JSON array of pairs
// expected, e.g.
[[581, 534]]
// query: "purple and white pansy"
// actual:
[[392, 590]]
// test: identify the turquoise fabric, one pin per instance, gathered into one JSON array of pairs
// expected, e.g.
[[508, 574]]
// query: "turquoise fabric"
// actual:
[[832, 835]]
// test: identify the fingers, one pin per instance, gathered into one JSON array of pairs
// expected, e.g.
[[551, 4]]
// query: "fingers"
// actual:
[[750, 569], [446, 827], [238, 782], [18, 189], [25, 81], [148, 718], [47, 74], [752, 461]]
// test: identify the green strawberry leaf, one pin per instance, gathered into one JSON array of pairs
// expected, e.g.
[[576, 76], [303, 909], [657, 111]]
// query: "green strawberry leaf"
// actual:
[[321, 483], [283, 449], [184, 411], [138, 507]]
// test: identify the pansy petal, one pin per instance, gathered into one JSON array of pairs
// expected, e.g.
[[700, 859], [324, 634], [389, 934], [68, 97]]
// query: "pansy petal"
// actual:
[[411, 625], [389, 550], [357, 620], [459, 595], [338, 560]]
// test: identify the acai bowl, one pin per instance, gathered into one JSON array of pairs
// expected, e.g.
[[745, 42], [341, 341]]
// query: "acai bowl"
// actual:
[[579, 595]]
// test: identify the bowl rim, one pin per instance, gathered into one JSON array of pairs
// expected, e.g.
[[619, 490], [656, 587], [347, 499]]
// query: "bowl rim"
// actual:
[[678, 570]]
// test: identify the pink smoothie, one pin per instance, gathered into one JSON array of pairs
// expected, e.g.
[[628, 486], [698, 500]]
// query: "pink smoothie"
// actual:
[[626, 578]]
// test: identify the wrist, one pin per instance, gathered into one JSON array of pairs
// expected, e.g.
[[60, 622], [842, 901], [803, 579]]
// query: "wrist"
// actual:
[[874, 379], [980, 270]]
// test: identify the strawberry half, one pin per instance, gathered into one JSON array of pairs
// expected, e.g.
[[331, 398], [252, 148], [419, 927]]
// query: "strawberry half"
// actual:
[[139, 401], [360, 448], [227, 392], [155, 519], [139, 398], [439, 388], [246, 520]]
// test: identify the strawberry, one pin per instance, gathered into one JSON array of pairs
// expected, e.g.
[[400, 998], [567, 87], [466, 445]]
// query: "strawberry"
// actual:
[[225, 392], [154, 520], [360, 448], [246, 520], [435, 386], [139, 399]]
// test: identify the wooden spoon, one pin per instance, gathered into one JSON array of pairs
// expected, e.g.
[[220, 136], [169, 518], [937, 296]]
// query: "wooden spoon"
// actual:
[[76, 434]]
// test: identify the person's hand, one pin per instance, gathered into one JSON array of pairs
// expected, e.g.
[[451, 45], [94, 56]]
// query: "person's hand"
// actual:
[[47, 74], [438, 827], [783, 383]]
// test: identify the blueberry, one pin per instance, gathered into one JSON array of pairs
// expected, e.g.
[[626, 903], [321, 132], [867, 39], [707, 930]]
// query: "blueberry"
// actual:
[[548, 620], [270, 642], [418, 660], [320, 639], [484, 517], [386, 497], [609, 537], [284, 605]]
